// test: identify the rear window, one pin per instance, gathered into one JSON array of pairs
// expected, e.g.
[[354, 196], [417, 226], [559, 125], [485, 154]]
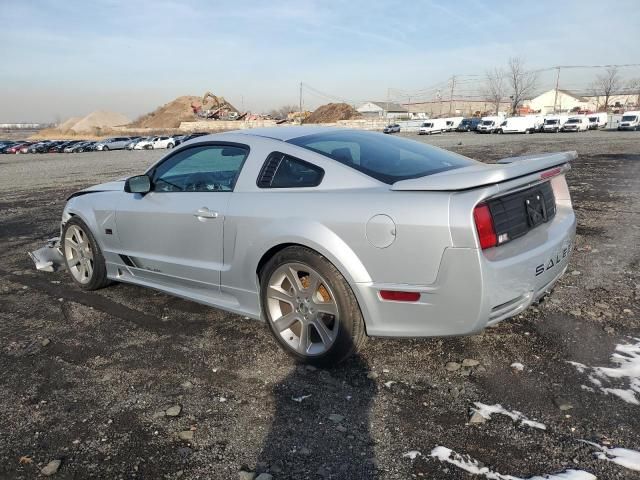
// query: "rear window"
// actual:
[[388, 159], [628, 118]]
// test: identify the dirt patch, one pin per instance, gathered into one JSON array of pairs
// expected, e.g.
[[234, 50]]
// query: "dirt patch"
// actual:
[[332, 112]]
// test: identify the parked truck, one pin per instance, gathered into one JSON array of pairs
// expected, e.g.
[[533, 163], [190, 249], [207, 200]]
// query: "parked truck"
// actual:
[[435, 125], [630, 121], [452, 123], [526, 124], [489, 124], [553, 123], [597, 120], [578, 123]]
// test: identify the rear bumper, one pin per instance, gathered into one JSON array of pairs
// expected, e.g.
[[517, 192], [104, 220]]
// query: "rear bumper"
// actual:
[[475, 289]]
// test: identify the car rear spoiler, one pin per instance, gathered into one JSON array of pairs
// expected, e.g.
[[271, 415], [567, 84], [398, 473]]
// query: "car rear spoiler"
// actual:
[[548, 164]]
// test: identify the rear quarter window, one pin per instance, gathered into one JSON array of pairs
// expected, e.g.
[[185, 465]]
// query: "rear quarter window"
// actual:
[[386, 158]]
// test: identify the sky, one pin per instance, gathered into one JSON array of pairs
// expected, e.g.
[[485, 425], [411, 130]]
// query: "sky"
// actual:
[[71, 57]]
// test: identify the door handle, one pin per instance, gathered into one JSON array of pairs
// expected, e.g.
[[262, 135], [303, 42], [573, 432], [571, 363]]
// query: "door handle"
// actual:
[[204, 212]]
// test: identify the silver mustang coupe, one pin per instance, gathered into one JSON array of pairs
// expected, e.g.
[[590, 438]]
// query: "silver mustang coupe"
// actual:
[[328, 235]]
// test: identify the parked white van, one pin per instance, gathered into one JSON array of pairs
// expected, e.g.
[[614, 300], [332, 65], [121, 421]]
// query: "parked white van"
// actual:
[[554, 123], [630, 121], [435, 125], [528, 124], [597, 120], [489, 124], [453, 122], [579, 123]]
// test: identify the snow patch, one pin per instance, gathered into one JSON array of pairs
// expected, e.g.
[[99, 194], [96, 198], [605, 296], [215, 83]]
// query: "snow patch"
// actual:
[[627, 372], [412, 454], [487, 410], [300, 399], [622, 456], [517, 366], [468, 464]]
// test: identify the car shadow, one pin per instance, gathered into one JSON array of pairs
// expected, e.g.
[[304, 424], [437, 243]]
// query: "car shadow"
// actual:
[[321, 424]]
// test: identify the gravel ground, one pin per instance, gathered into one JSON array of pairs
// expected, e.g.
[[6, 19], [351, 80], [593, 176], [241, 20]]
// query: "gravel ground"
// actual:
[[131, 383]]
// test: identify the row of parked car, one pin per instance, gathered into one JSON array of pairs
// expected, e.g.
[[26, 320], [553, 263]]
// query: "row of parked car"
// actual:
[[79, 146], [525, 124]]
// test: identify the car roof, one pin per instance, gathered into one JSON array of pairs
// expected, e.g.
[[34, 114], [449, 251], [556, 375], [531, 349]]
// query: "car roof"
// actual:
[[286, 133]]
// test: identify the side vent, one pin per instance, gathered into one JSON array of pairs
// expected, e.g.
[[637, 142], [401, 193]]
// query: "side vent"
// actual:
[[269, 170], [128, 261]]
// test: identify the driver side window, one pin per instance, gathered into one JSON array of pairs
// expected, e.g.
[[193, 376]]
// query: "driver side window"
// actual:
[[208, 168]]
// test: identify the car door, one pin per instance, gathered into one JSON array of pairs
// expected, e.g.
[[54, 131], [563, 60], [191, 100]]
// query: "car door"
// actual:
[[173, 235]]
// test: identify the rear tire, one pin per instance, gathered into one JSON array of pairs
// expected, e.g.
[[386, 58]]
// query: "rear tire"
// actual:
[[310, 308], [82, 256]]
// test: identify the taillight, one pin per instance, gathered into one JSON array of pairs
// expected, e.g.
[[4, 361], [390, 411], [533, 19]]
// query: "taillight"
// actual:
[[484, 226]]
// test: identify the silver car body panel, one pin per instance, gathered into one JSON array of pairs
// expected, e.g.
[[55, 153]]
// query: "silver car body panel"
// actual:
[[415, 235]]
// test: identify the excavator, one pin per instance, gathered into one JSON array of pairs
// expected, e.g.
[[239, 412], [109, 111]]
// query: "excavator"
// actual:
[[218, 108]]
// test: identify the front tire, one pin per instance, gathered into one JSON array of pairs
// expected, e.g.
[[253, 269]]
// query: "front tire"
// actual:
[[170, 145], [83, 256], [310, 308]]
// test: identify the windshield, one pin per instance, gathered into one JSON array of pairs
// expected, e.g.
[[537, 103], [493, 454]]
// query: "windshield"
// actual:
[[388, 159], [574, 120], [552, 121], [593, 119], [487, 122], [628, 118]]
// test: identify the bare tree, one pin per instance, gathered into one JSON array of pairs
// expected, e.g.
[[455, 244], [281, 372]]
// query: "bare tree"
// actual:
[[606, 84], [282, 112], [522, 83], [633, 86], [495, 87]]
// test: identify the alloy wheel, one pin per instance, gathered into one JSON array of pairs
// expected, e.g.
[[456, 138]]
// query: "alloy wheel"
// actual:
[[302, 309], [78, 253]]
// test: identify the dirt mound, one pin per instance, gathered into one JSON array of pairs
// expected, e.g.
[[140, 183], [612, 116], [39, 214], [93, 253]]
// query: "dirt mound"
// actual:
[[169, 115], [332, 112], [67, 124], [99, 119]]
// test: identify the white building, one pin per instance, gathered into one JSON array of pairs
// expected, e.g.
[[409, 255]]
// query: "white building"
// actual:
[[563, 101], [382, 110]]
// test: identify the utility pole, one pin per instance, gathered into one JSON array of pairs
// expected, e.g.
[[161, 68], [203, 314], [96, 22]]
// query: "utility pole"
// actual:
[[555, 99], [300, 100], [386, 112], [453, 84]]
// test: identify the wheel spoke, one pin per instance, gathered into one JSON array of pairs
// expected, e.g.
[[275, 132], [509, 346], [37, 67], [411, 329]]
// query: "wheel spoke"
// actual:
[[83, 270], [314, 284], [285, 321], [89, 267], [278, 294], [292, 276], [325, 334], [329, 308], [303, 346]]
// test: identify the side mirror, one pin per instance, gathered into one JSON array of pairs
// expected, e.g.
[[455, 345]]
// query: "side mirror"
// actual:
[[138, 184]]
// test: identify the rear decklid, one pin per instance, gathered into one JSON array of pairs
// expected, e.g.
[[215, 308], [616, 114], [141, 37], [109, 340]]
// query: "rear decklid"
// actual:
[[485, 174]]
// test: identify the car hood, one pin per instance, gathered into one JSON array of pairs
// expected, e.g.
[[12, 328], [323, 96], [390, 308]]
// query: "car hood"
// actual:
[[115, 186]]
